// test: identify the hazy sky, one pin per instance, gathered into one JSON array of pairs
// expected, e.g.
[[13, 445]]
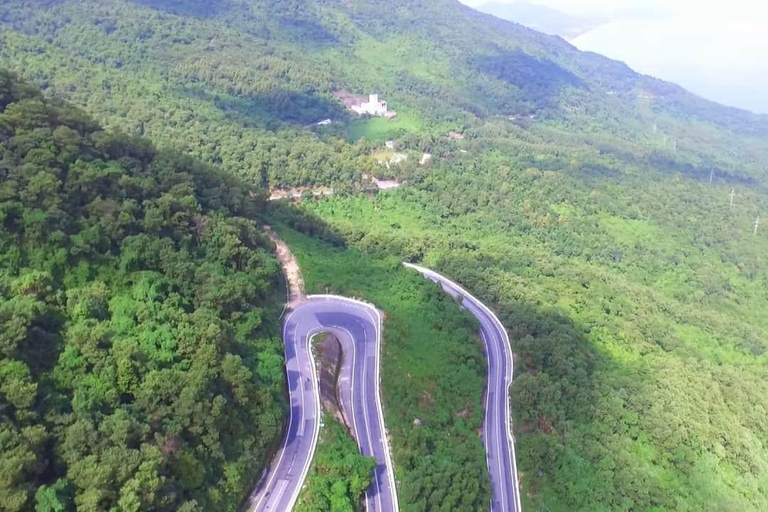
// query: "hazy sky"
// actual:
[[714, 48], [700, 8]]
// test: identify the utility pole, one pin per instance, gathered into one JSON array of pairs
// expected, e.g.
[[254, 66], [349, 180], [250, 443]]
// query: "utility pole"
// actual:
[[655, 127], [711, 176], [733, 193], [757, 223]]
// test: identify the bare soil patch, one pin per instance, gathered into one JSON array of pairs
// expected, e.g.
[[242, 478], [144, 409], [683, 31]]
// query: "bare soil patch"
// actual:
[[328, 353], [290, 268]]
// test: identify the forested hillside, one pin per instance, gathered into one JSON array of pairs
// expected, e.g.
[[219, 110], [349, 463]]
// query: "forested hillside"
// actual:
[[140, 359], [609, 217], [237, 82]]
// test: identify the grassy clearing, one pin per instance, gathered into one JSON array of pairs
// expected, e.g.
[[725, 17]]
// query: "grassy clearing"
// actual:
[[379, 128]]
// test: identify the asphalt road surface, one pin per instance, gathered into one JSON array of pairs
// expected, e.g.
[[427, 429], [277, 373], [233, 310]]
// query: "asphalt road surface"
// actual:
[[358, 328], [497, 437]]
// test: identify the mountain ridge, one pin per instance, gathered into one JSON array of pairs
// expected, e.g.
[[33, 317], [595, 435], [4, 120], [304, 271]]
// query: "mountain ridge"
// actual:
[[542, 18], [293, 19], [256, 70]]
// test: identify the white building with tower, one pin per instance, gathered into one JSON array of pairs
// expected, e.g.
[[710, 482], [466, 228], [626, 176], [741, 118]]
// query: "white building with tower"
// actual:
[[373, 107]]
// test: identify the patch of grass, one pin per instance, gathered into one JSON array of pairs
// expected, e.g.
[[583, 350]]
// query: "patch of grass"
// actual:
[[629, 232], [384, 155], [379, 128]]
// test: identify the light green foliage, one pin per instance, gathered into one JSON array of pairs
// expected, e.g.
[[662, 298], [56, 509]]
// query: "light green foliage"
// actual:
[[52, 498], [381, 129], [135, 370], [635, 303]]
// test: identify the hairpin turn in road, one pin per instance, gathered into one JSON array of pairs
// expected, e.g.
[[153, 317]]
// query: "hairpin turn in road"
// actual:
[[358, 327]]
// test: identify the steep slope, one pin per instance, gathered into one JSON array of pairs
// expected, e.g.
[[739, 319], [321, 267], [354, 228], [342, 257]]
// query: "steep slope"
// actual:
[[235, 82], [136, 371], [634, 299]]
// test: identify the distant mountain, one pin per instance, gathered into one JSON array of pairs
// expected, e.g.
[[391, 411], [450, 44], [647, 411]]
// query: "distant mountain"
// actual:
[[662, 45], [543, 18], [731, 70]]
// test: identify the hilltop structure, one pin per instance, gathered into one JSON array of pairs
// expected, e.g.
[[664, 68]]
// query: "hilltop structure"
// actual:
[[372, 107]]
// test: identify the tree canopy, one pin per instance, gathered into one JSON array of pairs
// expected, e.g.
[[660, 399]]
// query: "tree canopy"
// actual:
[[140, 368]]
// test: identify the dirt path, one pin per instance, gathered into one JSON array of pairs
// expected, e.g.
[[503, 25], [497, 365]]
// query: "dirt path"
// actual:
[[290, 267]]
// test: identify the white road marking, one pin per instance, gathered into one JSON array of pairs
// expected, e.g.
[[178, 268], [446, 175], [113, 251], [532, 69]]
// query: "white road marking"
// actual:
[[275, 494], [367, 308], [506, 349], [274, 500]]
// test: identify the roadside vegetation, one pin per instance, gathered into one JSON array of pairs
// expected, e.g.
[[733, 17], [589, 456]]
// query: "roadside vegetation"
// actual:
[[635, 304], [433, 371]]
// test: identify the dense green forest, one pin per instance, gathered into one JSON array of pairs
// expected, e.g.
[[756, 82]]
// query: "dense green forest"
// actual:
[[635, 304], [608, 217], [141, 364], [238, 82]]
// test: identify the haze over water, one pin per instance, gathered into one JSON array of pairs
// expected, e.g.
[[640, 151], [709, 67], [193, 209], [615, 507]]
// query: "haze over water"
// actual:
[[715, 49]]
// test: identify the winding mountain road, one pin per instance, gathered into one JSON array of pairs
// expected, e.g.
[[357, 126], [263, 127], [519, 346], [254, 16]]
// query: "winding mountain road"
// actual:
[[358, 327], [497, 437]]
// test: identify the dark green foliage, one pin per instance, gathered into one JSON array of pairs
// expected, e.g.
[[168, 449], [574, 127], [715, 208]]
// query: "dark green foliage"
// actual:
[[539, 80], [136, 372]]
